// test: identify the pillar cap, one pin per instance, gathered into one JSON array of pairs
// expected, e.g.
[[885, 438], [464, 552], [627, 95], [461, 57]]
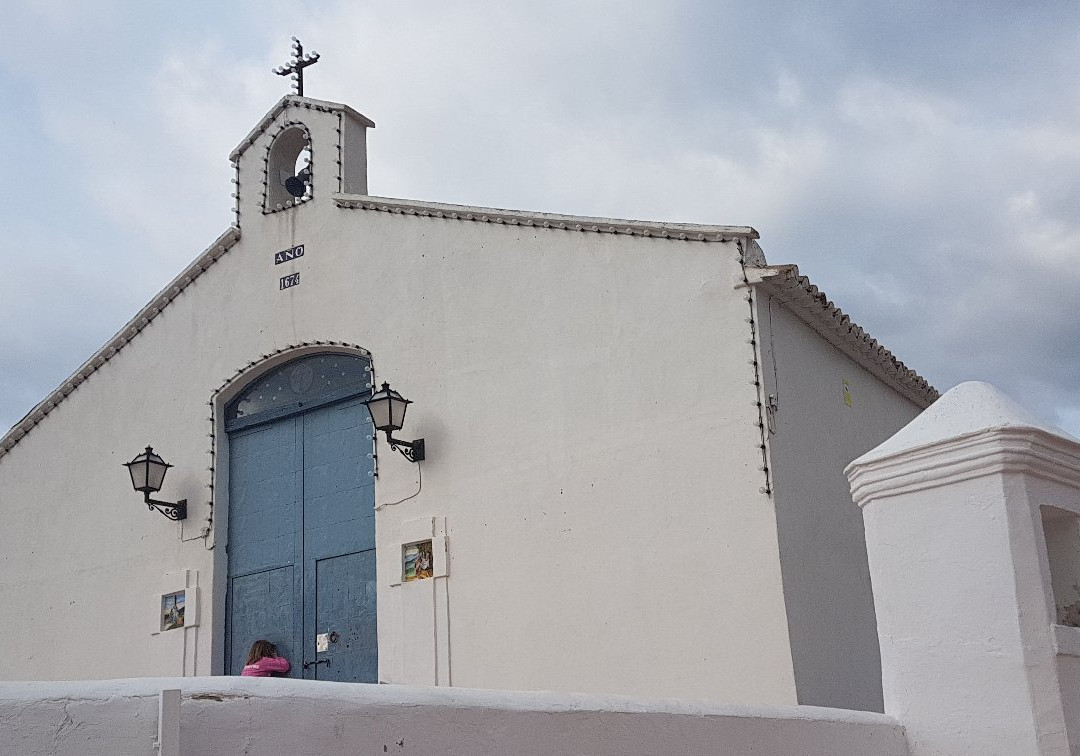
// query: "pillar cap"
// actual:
[[966, 409], [973, 430]]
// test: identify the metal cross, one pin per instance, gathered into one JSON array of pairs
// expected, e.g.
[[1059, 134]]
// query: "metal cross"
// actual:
[[297, 65]]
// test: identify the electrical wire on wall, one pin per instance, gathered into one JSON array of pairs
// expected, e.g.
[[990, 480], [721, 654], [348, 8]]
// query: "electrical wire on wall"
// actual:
[[772, 401], [420, 475]]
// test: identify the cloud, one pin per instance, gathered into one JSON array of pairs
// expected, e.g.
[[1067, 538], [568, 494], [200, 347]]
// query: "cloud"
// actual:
[[919, 163]]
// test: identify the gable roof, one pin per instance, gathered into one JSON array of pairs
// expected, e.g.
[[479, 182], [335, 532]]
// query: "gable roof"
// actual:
[[813, 308]]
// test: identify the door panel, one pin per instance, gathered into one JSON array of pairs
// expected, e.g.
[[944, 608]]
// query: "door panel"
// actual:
[[266, 490], [345, 604], [261, 606], [339, 506], [265, 526]]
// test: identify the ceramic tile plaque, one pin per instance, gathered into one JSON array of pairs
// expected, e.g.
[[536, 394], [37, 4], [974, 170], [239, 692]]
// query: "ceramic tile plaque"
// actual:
[[172, 610], [416, 561]]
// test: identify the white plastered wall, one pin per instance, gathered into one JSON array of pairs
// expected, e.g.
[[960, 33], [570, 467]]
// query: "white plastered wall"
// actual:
[[829, 411], [83, 563], [591, 439], [981, 664], [971, 659]]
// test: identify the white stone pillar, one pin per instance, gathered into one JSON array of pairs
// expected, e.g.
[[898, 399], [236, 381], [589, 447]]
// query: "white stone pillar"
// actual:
[[168, 742], [959, 507]]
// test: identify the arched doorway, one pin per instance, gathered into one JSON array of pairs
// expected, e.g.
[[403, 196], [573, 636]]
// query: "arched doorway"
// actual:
[[301, 539]]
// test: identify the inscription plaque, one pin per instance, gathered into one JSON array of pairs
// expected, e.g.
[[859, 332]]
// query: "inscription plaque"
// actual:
[[288, 254]]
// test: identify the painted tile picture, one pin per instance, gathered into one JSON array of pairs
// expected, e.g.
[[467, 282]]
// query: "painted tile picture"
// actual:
[[416, 561], [172, 610]]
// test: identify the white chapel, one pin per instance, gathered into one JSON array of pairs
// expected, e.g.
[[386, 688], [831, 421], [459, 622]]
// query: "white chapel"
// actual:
[[620, 470]]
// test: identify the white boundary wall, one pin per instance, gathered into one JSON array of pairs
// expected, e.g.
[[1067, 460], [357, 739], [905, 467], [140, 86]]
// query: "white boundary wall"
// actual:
[[271, 716]]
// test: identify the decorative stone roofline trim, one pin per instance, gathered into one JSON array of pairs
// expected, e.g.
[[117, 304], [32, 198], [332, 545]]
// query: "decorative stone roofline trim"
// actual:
[[811, 306], [307, 103], [1008, 449], [681, 231], [122, 338]]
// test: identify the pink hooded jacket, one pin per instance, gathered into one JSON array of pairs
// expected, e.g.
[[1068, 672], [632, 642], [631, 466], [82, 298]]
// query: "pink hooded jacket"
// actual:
[[266, 666]]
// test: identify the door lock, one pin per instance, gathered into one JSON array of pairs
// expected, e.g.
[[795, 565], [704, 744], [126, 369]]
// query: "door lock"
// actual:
[[323, 641]]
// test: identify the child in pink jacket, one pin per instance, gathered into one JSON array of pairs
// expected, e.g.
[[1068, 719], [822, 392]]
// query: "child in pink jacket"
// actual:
[[263, 661]]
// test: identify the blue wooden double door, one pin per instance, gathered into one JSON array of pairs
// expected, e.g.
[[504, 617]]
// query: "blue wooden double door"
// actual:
[[301, 541]]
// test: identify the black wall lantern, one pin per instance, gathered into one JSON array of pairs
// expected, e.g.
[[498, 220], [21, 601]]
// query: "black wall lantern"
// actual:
[[147, 474], [387, 408]]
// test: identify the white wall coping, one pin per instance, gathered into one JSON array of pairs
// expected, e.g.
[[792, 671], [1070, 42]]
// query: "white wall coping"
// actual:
[[403, 695]]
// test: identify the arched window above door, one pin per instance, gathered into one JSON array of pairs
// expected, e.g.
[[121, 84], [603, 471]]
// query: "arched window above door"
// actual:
[[298, 385]]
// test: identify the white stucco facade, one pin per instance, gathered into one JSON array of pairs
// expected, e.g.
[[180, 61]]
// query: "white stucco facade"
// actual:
[[591, 398], [827, 407]]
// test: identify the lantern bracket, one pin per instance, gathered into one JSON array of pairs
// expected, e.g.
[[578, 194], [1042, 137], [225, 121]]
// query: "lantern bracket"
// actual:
[[177, 511], [411, 450]]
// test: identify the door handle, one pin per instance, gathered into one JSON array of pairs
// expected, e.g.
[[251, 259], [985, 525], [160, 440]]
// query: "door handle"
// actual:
[[317, 662]]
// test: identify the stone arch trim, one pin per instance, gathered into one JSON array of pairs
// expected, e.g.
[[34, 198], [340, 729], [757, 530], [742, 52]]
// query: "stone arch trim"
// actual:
[[244, 375]]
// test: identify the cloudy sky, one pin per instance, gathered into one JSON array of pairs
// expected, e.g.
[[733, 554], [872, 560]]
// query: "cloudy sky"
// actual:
[[920, 162]]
